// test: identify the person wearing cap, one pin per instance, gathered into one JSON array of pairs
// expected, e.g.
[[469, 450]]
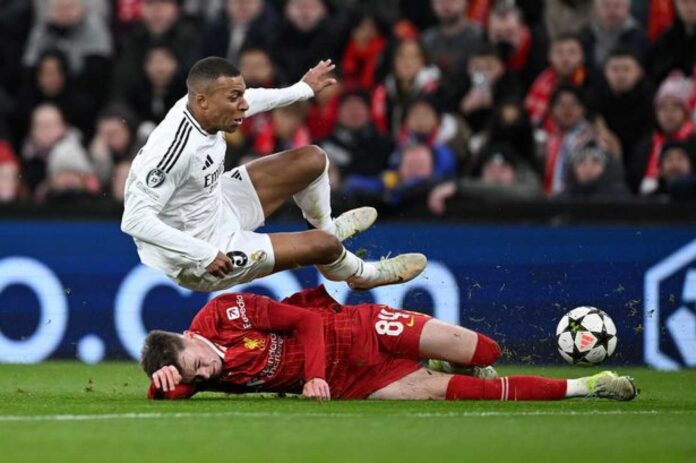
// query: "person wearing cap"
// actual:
[[672, 113], [501, 175], [593, 174]]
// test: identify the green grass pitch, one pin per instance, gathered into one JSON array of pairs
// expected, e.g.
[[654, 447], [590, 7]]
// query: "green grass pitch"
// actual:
[[70, 412]]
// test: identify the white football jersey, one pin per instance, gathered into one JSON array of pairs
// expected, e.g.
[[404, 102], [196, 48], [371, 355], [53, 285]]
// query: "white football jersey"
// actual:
[[173, 206]]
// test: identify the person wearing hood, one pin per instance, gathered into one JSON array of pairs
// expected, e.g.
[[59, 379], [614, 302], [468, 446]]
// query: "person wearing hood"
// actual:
[[624, 98], [85, 40], [672, 111], [593, 174], [611, 25]]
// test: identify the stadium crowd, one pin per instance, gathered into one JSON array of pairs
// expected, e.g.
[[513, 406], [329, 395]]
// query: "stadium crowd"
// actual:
[[557, 99]]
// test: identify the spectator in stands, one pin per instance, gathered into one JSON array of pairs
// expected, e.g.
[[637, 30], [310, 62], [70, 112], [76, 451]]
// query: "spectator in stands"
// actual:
[[411, 76], [15, 24], [257, 68], [445, 134], [287, 130], [523, 49], [566, 58], [10, 183], [510, 125], [676, 48], [612, 25], [673, 123], [487, 84], [245, 23], [70, 176], [356, 147], [48, 134], [118, 180], [362, 53], [451, 42], [572, 130], [306, 36], [161, 25], [677, 174], [566, 16], [84, 40], [594, 174], [115, 140], [161, 87], [51, 82], [501, 175], [623, 97]]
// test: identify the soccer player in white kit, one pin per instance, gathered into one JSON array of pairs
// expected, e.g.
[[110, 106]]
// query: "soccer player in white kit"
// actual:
[[195, 222]]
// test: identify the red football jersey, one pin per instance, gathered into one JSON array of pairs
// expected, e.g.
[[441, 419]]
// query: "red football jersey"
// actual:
[[273, 346]]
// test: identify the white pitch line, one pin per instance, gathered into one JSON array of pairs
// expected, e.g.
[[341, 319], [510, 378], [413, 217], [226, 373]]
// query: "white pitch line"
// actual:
[[138, 416]]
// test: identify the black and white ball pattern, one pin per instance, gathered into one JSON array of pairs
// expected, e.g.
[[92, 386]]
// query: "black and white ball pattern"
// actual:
[[586, 336]]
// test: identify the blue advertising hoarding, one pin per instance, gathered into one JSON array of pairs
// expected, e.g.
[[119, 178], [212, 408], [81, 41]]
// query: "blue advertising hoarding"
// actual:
[[77, 289]]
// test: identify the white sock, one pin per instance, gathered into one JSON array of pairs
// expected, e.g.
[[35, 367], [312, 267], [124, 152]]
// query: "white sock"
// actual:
[[577, 388], [347, 266], [315, 202]]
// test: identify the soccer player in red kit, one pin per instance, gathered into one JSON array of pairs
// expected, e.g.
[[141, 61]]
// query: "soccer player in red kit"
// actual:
[[311, 344]]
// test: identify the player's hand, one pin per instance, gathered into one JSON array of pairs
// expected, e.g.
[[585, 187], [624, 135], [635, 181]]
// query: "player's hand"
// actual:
[[221, 266], [318, 76], [316, 389], [166, 378]]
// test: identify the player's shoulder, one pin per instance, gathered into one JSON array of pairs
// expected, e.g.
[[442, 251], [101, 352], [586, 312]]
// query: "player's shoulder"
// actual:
[[177, 137]]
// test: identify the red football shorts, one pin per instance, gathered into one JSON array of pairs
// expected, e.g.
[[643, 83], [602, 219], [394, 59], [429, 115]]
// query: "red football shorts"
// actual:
[[385, 348]]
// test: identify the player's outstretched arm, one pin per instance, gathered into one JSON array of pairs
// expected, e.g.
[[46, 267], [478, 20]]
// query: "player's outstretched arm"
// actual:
[[315, 80], [166, 384]]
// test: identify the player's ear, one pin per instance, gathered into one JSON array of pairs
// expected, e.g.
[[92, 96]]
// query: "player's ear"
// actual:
[[188, 334], [202, 100]]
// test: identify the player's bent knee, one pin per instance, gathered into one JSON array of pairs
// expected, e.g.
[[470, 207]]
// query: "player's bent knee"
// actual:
[[325, 246], [315, 159], [487, 351]]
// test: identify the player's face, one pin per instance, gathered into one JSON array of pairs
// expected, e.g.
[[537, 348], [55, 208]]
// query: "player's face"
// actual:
[[198, 361], [225, 103]]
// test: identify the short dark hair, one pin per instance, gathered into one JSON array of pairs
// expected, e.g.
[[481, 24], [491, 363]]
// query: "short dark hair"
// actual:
[[161, 348], [625, 51], [505, 7], [567, 37], [208, 70], [565, 88], [485, 50]]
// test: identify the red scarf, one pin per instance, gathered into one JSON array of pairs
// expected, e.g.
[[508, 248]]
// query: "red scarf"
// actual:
[[539, 96], [518, 60], [660, 18], [359, 63], [478, 11], [652, 170], [265, 142]]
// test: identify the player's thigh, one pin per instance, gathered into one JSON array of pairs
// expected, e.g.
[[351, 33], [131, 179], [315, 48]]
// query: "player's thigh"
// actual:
[[312, 247], [445, 341], [277, 177], [397, 331], [422, 384]]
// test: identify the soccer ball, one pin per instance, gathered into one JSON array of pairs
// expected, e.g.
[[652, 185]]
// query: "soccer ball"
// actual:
[[586, 336]]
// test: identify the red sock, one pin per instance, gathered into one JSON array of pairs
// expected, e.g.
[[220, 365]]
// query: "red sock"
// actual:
[[508, 388], [486, 353]]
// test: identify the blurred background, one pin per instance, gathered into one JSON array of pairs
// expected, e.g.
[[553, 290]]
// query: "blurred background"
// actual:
[[541, 153]]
